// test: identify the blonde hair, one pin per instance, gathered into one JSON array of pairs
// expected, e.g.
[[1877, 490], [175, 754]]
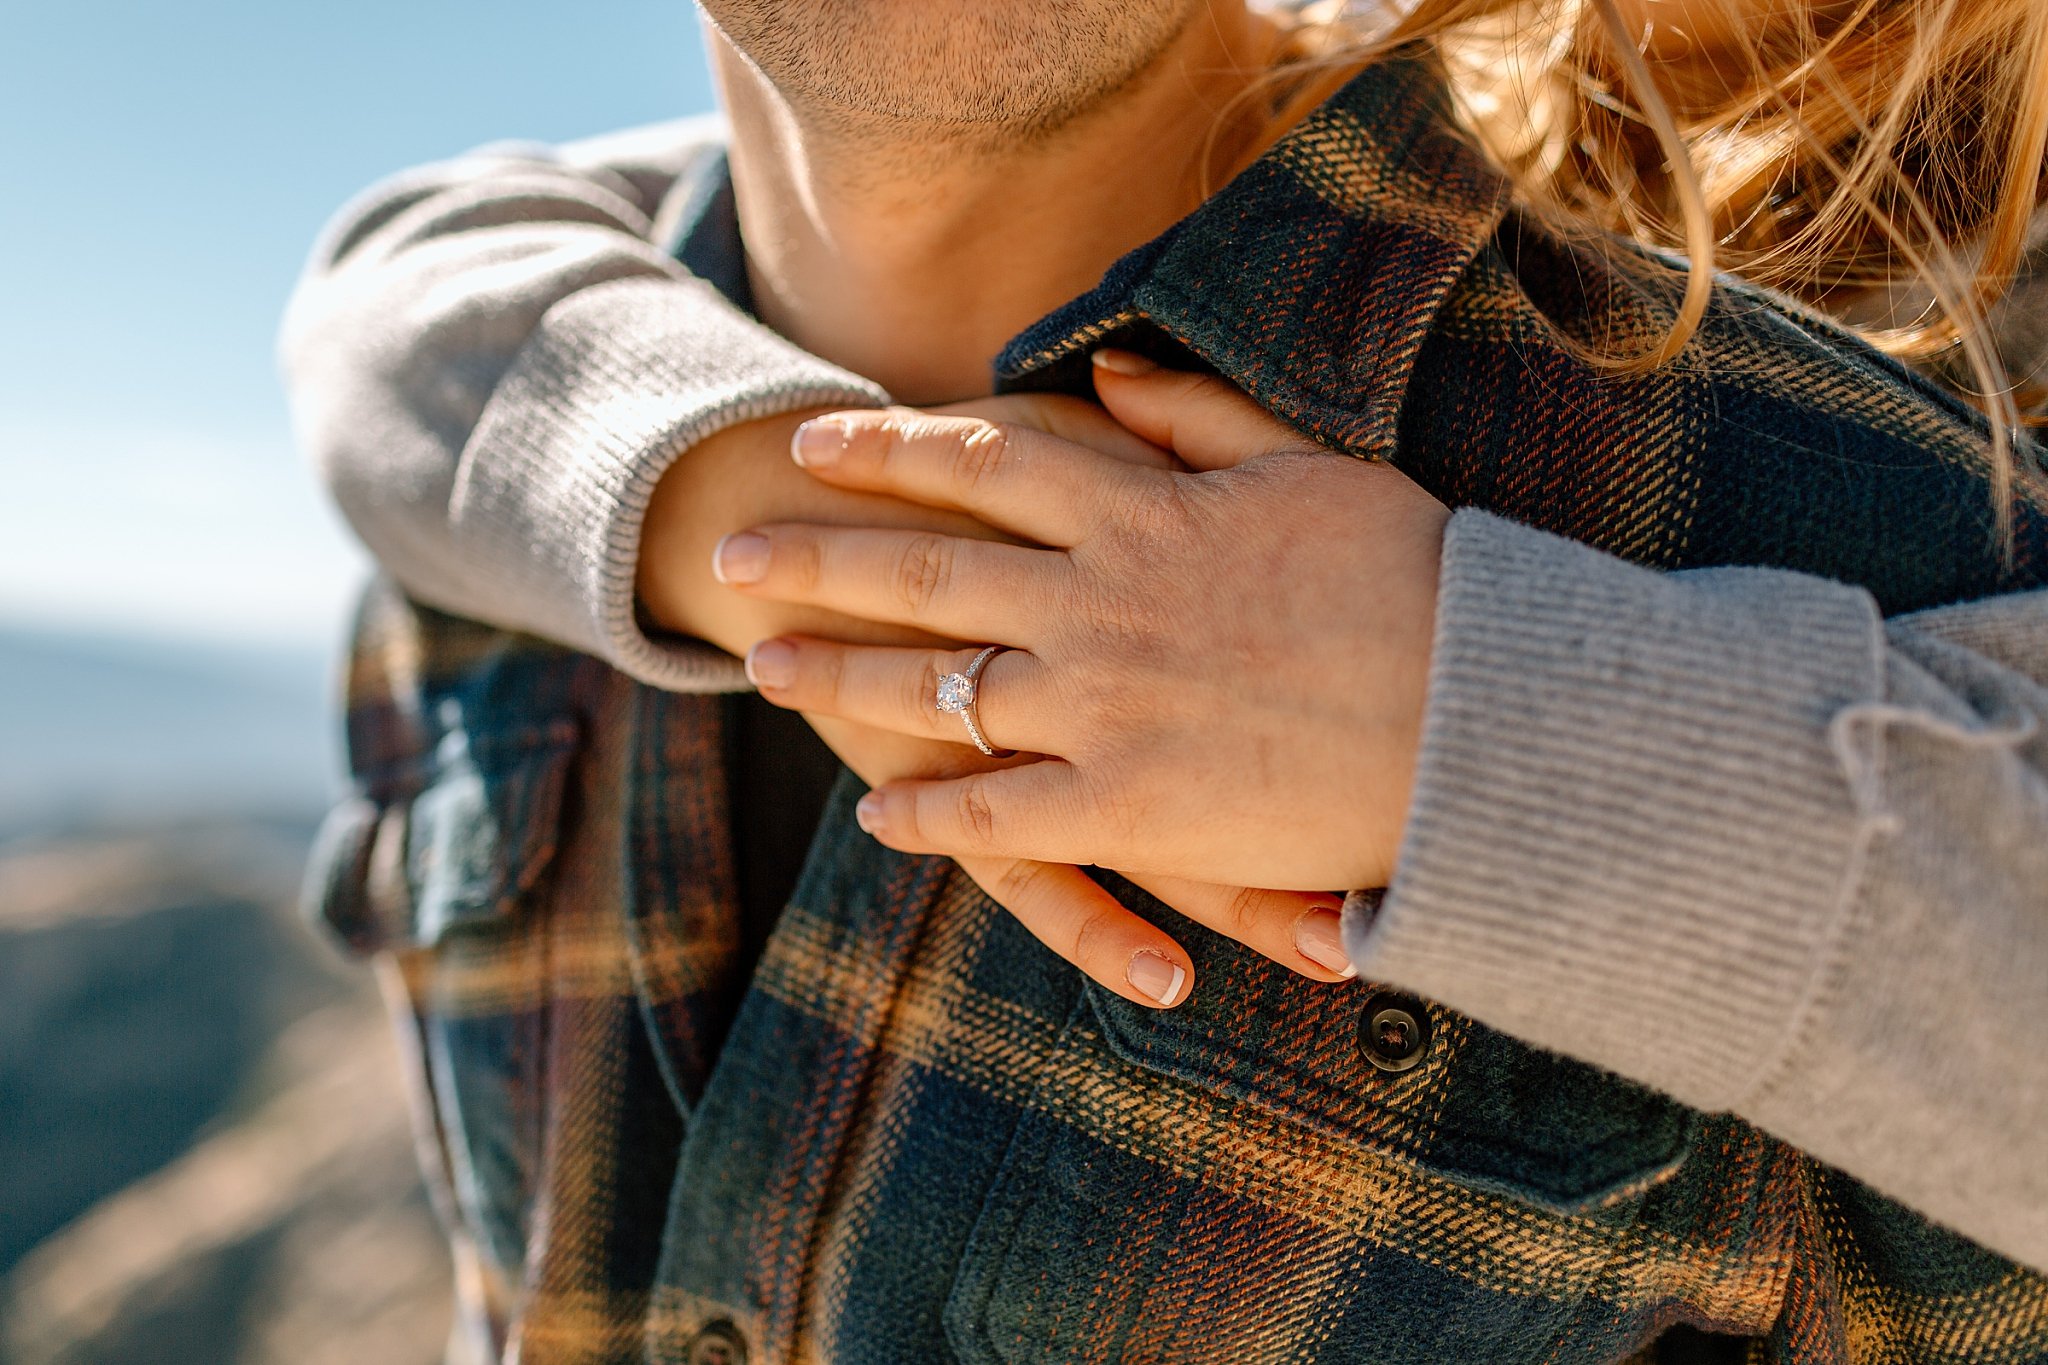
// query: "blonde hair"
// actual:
[[1824, 148]]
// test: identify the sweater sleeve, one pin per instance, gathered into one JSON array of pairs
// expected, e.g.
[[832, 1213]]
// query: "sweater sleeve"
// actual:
[[492, 365], [1732, 835]]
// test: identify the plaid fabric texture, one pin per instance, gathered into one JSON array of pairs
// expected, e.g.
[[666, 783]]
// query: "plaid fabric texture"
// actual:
[[912, 1135]]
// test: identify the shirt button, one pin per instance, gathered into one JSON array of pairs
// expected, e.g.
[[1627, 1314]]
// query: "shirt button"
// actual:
[[718, 1343], [1393, 1032]]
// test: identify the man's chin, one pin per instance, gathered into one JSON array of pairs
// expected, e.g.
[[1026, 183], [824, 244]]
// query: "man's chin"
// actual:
[[991, 70]]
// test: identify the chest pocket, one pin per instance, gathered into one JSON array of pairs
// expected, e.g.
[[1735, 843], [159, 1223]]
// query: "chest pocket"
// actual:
[[1237, 1180], [452, 841]]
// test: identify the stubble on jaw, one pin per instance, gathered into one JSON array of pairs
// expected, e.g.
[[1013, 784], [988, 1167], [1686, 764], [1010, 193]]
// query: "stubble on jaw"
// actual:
[[959, 75]]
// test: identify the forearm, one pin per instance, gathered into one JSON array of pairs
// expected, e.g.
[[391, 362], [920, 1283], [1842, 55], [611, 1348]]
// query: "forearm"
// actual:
[[494, 366], [1729, 834]]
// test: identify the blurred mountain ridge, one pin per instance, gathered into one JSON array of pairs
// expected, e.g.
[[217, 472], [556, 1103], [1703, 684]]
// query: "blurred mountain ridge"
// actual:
[[204, 1149]]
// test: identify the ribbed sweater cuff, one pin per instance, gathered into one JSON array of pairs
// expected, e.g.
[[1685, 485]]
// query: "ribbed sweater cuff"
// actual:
[[1630, 840], [617, 382]]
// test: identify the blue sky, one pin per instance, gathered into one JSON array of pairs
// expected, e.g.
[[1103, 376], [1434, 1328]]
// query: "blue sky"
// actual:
[[163, 168]]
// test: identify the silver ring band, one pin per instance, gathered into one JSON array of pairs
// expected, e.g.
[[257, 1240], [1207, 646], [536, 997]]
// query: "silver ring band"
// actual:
[[958, 695]]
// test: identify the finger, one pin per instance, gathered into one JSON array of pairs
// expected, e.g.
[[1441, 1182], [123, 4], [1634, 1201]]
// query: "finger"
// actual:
[[1028, 811], [1065, 910], [1079, 420], [1014, 478], [1206, 421], [898, 689], [961, 589], [1300, 930]]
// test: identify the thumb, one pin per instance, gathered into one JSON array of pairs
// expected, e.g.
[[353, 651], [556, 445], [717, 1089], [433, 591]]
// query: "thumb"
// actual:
[[1206, 421]]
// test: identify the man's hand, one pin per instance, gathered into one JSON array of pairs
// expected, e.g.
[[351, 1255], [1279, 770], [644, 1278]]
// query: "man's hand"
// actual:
[[743, 476]]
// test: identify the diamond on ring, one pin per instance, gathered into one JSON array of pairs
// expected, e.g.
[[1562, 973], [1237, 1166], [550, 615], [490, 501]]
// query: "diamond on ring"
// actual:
[[956, 693]]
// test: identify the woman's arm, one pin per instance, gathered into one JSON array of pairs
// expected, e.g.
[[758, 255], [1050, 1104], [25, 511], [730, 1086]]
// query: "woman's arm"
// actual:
[[493, 366], [1730, 834], [527, 411]]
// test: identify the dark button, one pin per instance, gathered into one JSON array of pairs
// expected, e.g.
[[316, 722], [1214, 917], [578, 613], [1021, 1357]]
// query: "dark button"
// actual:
[[1393, 1032], [716, 1343]]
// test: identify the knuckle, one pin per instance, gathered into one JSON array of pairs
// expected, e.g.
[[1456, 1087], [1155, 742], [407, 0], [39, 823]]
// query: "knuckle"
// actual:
[[869, 432], [1125, 815], [906, 432], [981, 454], [922, 570], [800, 559], [824, 674], [874, 441], [1243, 913], [977, 817], [1114, 808], [1153, 513], [1094, 934], [1015, 885]]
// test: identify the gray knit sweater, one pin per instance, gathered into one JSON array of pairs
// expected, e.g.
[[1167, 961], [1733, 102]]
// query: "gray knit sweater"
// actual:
[[1725, 832]]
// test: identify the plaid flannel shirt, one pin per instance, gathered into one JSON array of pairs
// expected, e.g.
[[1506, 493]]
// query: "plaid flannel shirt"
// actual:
[[911, 1134]]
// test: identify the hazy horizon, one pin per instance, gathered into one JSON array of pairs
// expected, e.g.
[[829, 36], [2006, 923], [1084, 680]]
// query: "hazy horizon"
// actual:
[[101, 731], [168, 167]]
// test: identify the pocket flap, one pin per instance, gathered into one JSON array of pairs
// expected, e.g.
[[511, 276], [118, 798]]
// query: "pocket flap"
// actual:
[[466, 848], [483, 833]]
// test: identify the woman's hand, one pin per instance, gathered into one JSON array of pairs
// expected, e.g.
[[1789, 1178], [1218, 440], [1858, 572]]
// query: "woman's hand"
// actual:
[[1083, 923], [1226, 666], [744, 474]]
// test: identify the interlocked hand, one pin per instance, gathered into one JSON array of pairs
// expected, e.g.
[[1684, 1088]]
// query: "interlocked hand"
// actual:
[[1219, 666], [742, 475]]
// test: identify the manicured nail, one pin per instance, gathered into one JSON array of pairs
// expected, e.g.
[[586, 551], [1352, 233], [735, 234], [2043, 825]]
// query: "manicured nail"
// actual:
[[1123, 362], [867, 813], [740, 558], [818, 443], [1319, 937], [771, 663], [1156, 977]]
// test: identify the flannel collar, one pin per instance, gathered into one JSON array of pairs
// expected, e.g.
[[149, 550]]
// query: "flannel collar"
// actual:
[[1375, 188]]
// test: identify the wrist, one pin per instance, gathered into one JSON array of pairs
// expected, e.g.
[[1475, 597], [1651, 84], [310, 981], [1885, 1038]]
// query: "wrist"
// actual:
[[1402, 664], [704, 495]]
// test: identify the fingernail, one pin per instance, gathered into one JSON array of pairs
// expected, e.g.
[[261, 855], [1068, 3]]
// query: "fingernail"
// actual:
[[740, 558], [1122, 362], [1156, 977], [818, 443], [771, 663], [1319, 937], [867, 813]]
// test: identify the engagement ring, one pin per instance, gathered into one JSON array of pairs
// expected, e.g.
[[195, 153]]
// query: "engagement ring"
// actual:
[[957, 693]]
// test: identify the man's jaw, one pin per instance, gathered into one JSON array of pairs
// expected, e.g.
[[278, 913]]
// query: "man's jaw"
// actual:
[[976, 76], [909, 252]]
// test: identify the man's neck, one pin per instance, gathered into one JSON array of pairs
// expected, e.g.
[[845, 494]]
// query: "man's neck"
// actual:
[[910, 255]]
